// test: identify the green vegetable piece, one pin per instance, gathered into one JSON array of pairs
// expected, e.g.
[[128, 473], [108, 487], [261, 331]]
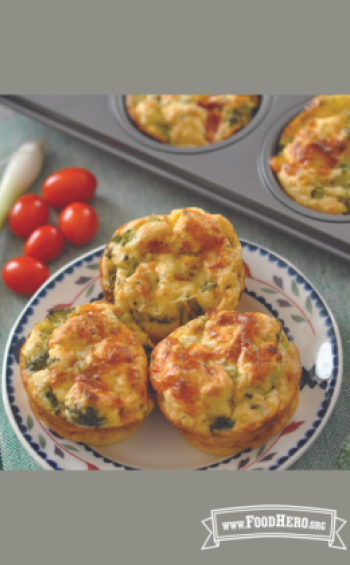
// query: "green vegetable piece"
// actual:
[[109, 290], [39, 363], [154, 218], [235, 117], [126, 319], [89, 418], [221, 423], [164, 320], [51, 398], [342, 461], [209, 286], [132, 266], [58, 316], [318, 192], [127, 266], [127, 236], [342, 179], [240, 115], [231, 371], [144, 317], [124, 238], [163, 129], [112, 275]]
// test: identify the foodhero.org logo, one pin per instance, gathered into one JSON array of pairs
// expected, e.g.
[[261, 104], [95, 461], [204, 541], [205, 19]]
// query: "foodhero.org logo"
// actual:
[[273, 521]]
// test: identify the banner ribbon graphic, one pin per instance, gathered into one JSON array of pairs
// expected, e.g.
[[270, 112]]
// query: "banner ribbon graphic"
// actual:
[[246, 522]]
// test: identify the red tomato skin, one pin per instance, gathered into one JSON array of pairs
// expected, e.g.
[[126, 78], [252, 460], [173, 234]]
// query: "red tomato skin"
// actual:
[[78, 222], [27, 213], [69, 185], [46, 243], [24, 275]]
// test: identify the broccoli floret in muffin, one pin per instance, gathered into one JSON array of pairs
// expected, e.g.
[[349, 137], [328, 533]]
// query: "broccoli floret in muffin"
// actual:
[[57, 316], [38, 363], [221, 423], [88, 419]]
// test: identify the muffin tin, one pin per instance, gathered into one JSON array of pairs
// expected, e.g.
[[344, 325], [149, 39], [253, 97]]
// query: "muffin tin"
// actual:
[[234, 172]]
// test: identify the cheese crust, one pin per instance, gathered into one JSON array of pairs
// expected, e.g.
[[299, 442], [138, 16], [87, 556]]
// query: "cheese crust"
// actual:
[[191, 120], [227, 381], [165, 270], [85, 373], [313, 162]]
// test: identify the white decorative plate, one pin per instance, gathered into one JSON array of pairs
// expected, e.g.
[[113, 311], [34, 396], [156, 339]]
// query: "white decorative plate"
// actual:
[[273, 286]]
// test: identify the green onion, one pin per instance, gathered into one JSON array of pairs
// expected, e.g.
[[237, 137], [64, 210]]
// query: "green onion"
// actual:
[[20, 173], [208, 286]]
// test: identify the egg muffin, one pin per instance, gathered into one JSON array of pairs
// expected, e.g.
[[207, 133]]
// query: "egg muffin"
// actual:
[[85, 373], [191, 120], [227, 381], [166, 270], [313, 161]]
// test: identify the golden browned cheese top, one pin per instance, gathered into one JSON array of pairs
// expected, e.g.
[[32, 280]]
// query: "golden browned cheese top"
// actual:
[[225, 371], [165, 270], [313, 163], [83, 364], [191, 120]]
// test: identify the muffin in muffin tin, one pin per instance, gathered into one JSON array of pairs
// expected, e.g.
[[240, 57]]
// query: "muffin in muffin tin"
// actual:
[[85, 373], [227, 381], [313, 159], [191, 120], [166, 270]]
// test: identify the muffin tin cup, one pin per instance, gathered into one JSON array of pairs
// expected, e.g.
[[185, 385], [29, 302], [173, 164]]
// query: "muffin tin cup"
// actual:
[[269, 148], [118, 108]]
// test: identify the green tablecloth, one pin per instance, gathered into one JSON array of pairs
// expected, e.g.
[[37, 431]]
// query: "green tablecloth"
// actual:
[[126, 192]]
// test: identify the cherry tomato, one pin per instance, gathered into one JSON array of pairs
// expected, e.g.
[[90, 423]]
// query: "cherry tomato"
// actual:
[[45, 243], [78, 223], [24, 275], [28, 213], [69, 185]]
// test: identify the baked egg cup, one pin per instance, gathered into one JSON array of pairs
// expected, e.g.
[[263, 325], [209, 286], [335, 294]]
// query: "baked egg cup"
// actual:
[[191, 120], [85, 374], [164, 270], [312, 164], [227, 381]]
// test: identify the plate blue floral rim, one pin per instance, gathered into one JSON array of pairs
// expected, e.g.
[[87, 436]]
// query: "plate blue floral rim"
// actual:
[[271, 295]]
